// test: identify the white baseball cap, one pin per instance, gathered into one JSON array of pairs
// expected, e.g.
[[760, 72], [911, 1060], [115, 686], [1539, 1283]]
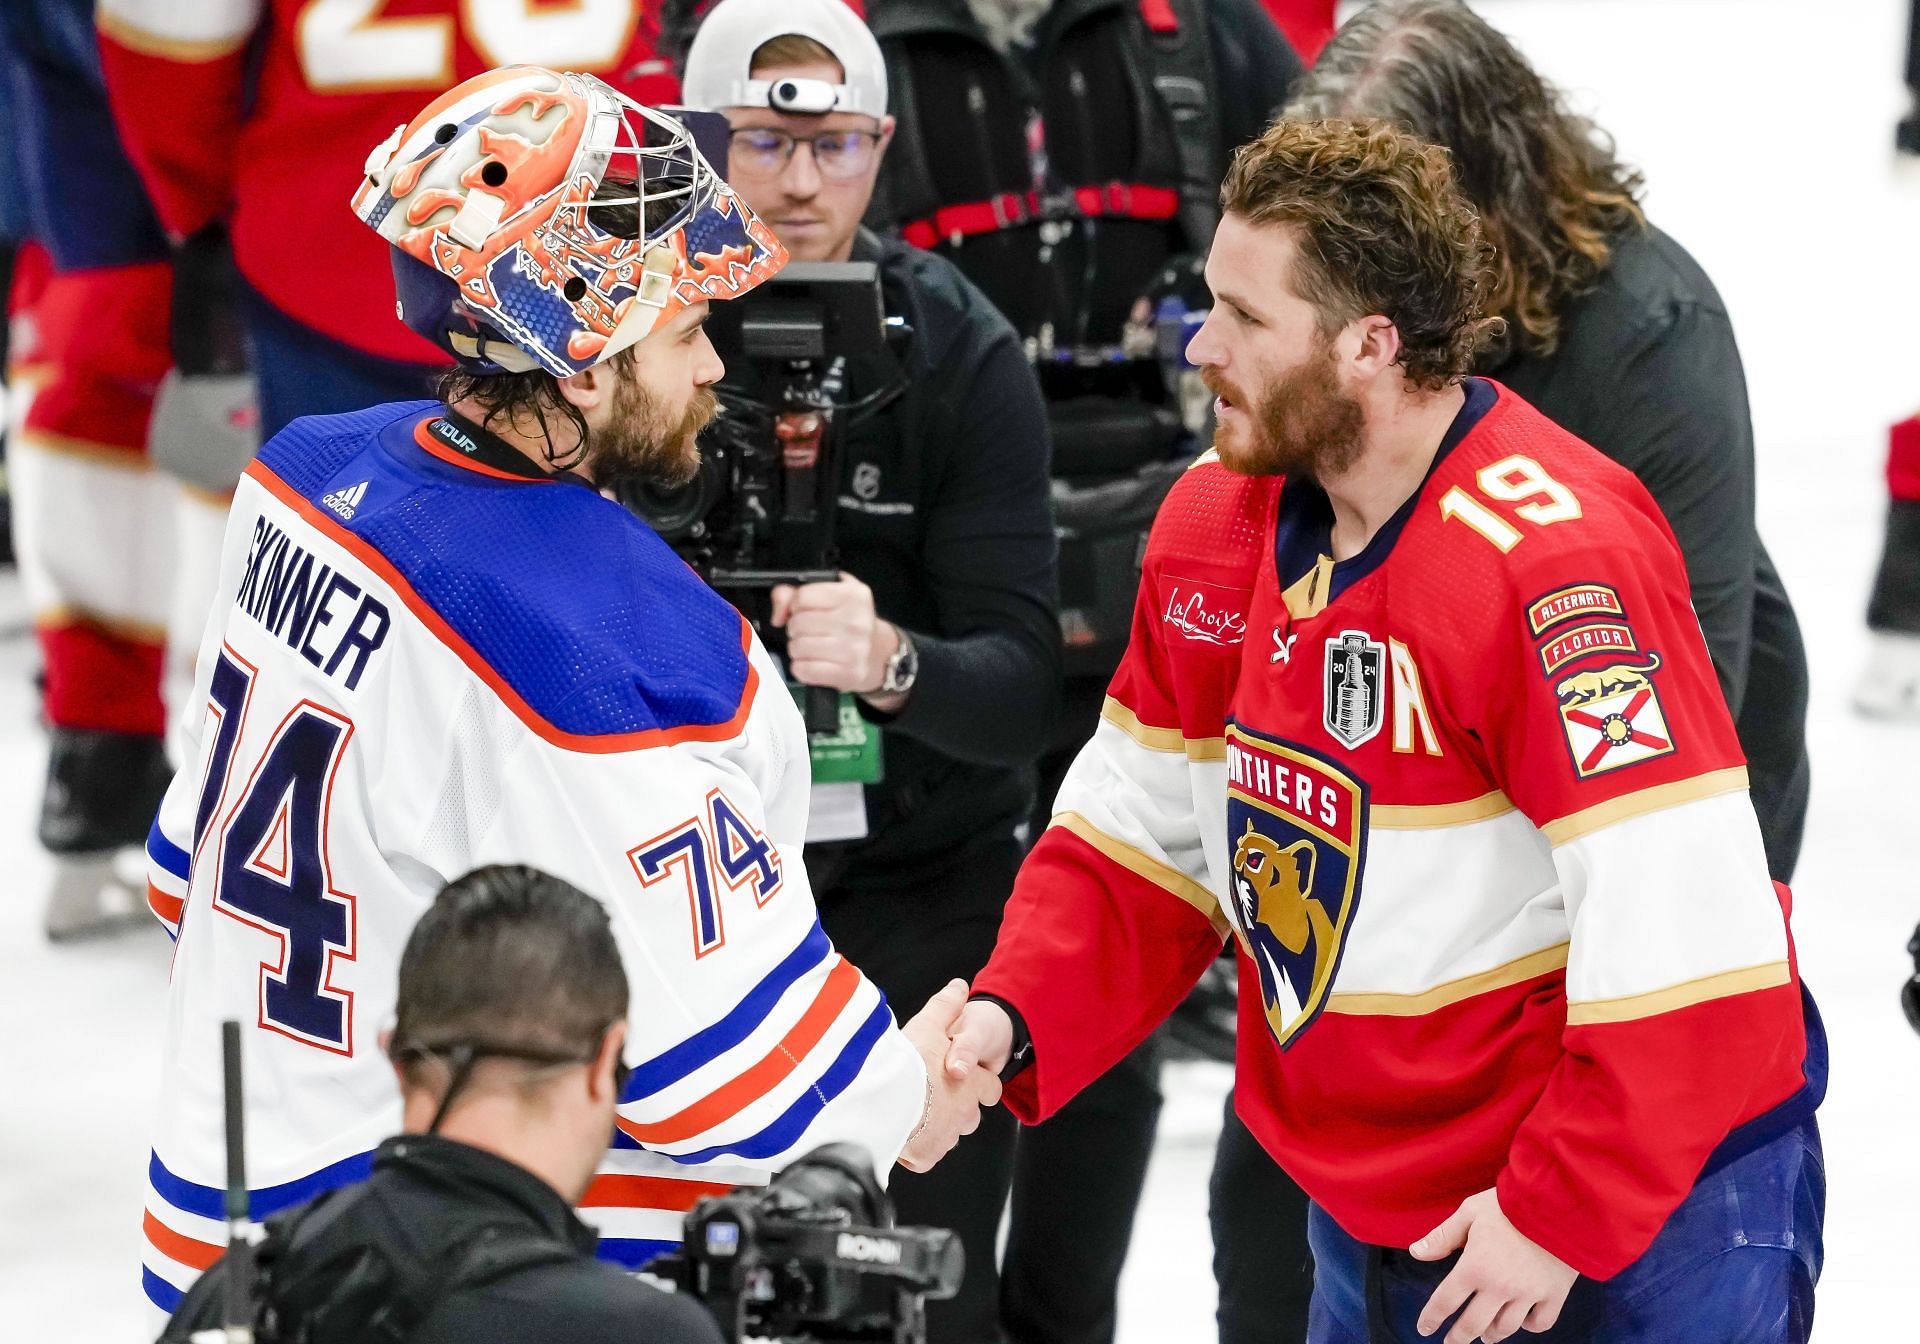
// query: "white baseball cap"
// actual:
[[719, 64]]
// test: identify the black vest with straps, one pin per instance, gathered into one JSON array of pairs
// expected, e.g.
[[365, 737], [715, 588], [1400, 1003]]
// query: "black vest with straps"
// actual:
[[1107, 118]]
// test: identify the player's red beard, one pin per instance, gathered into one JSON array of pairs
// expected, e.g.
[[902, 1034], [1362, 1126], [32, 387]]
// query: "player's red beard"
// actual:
[[1303, 425], [642, 445]]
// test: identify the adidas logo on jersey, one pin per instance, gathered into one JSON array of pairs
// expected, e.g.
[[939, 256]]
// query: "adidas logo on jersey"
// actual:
[[346, 500]]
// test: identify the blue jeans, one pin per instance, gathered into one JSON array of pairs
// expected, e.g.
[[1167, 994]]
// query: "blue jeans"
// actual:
[[1735, 1264], [302, 372]]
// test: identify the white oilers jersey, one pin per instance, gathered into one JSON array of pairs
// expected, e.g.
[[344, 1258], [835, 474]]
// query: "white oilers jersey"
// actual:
[[416, 665]]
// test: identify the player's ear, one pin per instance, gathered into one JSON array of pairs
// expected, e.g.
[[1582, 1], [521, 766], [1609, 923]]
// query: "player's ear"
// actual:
[[604, 1074], [1375, 344], [588, 389]]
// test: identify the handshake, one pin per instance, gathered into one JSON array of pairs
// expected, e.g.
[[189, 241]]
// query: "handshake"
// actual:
[[964, 1046]]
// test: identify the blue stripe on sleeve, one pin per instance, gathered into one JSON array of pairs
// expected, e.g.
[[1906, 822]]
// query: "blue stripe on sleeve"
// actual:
[[208, 1202], [167, 855], [633, 1252], [707, 1045], [159, 1292], [783, 1133]]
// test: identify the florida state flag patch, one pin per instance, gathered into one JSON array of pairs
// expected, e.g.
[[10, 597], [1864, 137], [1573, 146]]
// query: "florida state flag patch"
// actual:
[[1612, 717]]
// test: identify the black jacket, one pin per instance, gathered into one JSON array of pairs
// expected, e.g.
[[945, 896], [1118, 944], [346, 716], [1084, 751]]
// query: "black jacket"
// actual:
[[425, 1202], [943, 512], [1647, 372]]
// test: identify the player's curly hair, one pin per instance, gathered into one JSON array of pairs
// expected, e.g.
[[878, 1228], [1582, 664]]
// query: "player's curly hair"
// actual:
[[1382, 228], [1550, 191]]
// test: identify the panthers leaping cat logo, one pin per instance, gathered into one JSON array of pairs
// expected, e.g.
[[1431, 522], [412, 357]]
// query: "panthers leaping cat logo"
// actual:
[[1274, 887]]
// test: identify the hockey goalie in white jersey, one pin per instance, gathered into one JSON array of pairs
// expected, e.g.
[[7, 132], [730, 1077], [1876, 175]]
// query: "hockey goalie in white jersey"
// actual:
[[437, 646]]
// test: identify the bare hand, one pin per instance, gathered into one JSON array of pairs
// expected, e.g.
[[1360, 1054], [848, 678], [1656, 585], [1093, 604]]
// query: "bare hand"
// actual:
[[982, 1038], [1506, 1282], [953, 1100], [834, 639]]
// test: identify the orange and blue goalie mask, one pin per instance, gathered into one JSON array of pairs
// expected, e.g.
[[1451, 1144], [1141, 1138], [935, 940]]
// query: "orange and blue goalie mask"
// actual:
[[541, 219]]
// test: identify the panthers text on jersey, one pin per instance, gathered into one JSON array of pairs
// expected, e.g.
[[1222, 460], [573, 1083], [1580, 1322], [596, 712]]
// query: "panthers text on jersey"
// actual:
[[269, 109], [1472, 807], [418, 664]]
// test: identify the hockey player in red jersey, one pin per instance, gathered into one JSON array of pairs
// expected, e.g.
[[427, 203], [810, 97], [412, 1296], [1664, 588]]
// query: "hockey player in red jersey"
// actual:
[[1519, 1007], [329, 78]]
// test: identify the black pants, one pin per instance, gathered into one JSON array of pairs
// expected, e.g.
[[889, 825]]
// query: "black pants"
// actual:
[[910, 939], [1076, 1186], [1261, 1261], [1078, 1179]]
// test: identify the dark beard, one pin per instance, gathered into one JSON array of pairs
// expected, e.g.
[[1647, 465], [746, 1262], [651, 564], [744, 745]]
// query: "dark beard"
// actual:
[[639, 447], [1302, 426]]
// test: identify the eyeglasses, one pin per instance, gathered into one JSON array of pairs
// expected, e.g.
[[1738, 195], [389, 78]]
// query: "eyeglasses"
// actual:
[[762, 151]]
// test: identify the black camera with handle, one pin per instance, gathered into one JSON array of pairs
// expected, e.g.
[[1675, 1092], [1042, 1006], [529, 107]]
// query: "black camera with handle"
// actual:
[[760, 509], [814, 1257]]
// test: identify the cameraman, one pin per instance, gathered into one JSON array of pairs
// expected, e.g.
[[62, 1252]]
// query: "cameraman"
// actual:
[[511, 1014], [942, 628]]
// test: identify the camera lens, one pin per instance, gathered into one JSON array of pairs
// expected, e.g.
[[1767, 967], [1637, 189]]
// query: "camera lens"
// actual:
[[674, 512], [786, 91]]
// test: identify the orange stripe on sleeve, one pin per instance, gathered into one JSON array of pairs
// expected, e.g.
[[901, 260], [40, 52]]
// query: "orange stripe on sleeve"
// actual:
[[189, 1251], [168, 908], [648, 1192], [763, 1077]]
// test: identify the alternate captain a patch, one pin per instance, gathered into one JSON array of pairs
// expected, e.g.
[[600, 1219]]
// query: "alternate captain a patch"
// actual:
[[1612, 716], [1296, 829]]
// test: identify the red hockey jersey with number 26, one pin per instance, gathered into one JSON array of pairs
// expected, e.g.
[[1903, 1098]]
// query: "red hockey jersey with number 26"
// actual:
[[1472, 807]]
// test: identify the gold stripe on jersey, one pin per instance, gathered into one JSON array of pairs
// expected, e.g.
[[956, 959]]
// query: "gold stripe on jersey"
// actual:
[[66, 616], [1162, 739], [1398, 817], [1651, 1004], [1306, 596], [1515, 972], [1170, 879], [1656, 799], [145, 43], [113, 455]]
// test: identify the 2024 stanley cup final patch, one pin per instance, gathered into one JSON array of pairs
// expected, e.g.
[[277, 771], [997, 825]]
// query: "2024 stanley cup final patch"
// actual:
[[1356, 687], [1612, 716]]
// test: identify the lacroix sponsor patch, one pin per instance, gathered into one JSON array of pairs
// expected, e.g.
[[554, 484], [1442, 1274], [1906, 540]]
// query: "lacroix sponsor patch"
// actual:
[[1205, 612], [1565, 604], [1601, 637]]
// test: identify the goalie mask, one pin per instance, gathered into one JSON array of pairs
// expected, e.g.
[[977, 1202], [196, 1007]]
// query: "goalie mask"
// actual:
[[504, 203]]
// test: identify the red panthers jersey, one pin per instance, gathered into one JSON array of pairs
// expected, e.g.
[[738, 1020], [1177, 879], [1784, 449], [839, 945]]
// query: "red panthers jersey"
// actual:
[[285, 149], [1471, 805]]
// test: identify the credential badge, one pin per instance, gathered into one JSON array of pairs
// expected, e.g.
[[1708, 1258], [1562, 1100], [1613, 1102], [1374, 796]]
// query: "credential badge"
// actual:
[[1356, 692]]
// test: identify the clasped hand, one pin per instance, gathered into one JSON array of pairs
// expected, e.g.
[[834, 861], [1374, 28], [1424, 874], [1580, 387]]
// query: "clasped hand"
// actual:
[[954, 1096]]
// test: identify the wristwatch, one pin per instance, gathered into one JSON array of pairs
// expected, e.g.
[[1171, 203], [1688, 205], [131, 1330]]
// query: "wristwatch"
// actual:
[[902, 668]]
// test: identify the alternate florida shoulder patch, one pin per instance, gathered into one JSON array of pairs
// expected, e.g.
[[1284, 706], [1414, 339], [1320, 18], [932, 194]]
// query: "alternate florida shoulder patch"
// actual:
[[1296, 828], [1564, 604], [1612, 716], [1581, 640]]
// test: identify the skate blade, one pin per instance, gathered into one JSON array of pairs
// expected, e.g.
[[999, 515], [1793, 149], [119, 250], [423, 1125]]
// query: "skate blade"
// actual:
[[91, 897]]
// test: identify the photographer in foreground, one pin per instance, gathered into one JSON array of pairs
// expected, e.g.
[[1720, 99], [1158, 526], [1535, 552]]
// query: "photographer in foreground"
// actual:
[[511, 1014], [942, 628]]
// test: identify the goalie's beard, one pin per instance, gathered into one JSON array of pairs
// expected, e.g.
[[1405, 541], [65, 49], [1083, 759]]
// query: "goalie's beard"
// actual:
[[643, 444]]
